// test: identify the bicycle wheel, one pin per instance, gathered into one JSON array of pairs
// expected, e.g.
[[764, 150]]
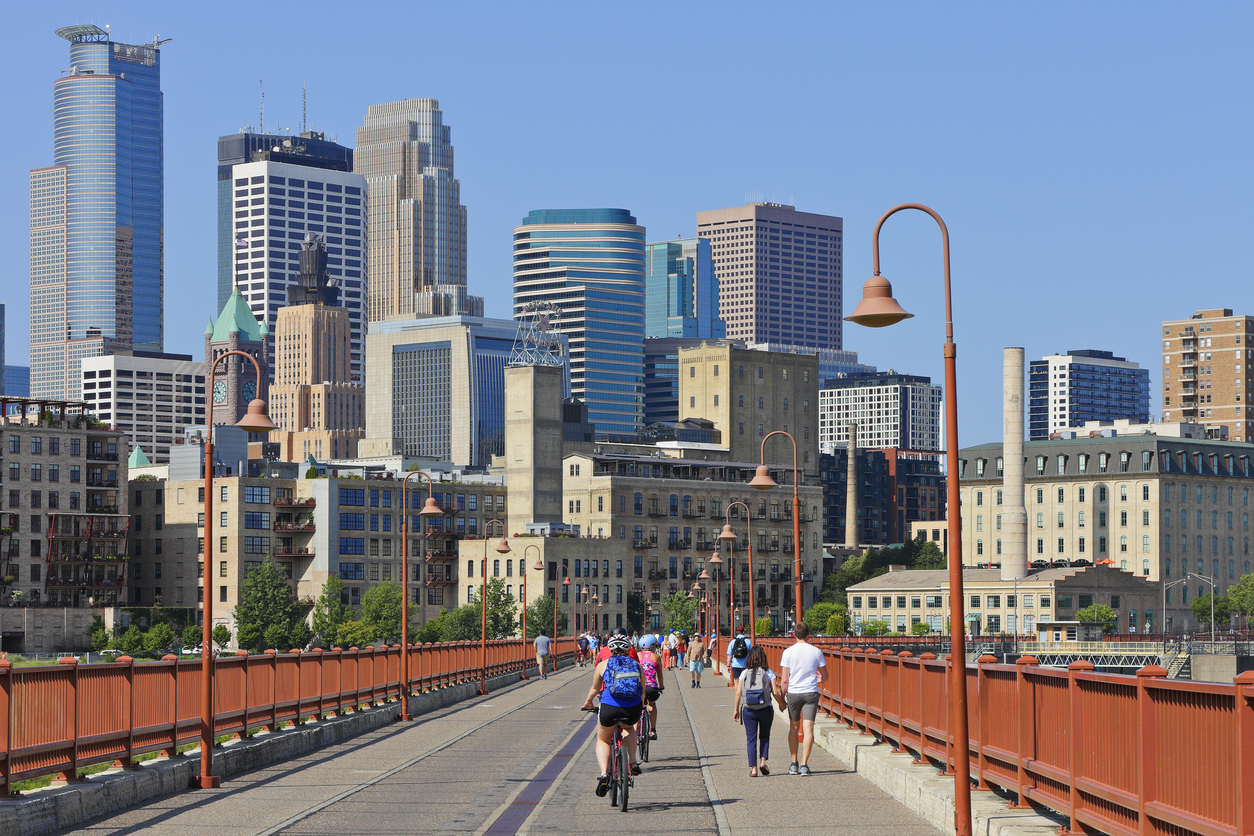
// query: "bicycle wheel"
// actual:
[[614, 779], [642, 734], [624, 777]]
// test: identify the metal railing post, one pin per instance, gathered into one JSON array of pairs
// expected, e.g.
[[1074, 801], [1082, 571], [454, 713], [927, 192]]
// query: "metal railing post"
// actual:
[[982, 716], [1147, 745], [1243, 694], [1075, 735], [6, 691], [71, 775], [900, 745], [1025, 717]]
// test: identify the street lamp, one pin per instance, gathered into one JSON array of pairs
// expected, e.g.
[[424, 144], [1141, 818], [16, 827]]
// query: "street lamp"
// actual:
[[1212, 605], [762, 481], [254, 421], [717, 562], [877, 309], [429, 509], [1163, 615], [729, 536], [501, 548]]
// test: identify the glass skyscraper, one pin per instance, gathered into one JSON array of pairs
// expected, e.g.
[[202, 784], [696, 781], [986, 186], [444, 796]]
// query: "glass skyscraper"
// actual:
[[681, 293], [96, 213], [1066, 390], [590, 264]]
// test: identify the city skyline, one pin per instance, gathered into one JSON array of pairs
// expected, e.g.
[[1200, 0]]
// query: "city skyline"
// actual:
[[964, 153]]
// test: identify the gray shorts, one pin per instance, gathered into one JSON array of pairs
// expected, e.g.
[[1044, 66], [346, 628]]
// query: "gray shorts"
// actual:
[[696, 665], [803, 706]]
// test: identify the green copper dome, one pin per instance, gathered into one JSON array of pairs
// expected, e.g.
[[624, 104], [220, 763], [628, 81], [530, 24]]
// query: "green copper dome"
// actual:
[[237, 317]]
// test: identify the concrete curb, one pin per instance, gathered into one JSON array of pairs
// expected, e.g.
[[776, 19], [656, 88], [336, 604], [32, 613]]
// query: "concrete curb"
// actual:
[[59, 807]]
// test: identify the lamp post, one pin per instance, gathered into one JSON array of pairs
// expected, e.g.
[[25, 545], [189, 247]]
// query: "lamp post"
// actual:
[[254, 421], [1163, 615], [717, 563], [1205, 579], [501, 548], [728, 536], [877, 309], [429, 509], [762, 481]]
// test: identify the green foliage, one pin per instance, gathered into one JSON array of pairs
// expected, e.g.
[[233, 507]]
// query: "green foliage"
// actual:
[[1242, 597], [540, 617], [502, 623], [329, 611], [762, 626], [817, 616], [875, 562], [877, 627], [1223, 610], [433, 630], [145, 477], [1102, 613], [462, 624], [192, 636], [929, 557], [381, 613], [838, 622], [920, 629], [637, 606], [221, 636], [159, 638], [311, 473], [132, 640], [266, 609], [301, 635], [99, 635], [678, 610]]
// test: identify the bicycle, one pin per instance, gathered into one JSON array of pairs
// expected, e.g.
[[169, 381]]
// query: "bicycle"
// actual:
[[620, 765], [642, 732]]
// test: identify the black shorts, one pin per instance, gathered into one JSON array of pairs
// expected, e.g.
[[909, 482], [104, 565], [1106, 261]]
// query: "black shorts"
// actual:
[[651, 694], [611, 714]]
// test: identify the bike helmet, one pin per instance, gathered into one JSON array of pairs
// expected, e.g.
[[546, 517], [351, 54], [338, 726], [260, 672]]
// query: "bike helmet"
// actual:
[[620, 631], [648, 640], [619, 644]]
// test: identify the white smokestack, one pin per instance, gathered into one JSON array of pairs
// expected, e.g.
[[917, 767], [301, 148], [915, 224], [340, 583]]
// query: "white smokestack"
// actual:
[[851, 491], [1014, 516]]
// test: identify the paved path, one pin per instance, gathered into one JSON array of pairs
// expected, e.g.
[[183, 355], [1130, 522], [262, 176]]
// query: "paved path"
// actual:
[[521, 761]]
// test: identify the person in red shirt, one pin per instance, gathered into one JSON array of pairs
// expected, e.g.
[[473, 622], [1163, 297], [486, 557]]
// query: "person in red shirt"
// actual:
[[605, 652]]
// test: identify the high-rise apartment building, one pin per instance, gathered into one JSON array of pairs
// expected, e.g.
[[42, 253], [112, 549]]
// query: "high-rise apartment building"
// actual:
[[152, 398], [96, 227], [1208, 372], [1066, 390], [890, 409], [417, 249], [311, 150], [589, 263], [779, 273], [681, 293], [277, 204]]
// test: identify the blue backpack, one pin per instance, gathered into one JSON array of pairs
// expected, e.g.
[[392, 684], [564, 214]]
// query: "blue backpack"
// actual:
[[622, 678]]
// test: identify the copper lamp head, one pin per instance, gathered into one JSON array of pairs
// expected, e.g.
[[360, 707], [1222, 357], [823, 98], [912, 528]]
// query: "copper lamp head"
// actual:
[[878, 307], [430, 509], [728, 535], [256, 420], [539, 567], [502, 546], [762, 480], [715, 560], [566, 581], [704, 576]]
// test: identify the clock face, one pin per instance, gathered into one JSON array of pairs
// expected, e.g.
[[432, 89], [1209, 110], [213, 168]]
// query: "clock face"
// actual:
[[219, 391], [250, 390]]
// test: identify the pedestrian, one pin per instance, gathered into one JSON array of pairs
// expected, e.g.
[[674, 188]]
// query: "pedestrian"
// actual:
[[756, 689], [802, 668], [543, 646], [666, 650], [696, 660], [681, 647], [583, 649], [738, 652]]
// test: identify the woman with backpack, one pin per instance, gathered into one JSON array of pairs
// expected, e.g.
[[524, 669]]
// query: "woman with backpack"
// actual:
[[756, 687], [619, 681]]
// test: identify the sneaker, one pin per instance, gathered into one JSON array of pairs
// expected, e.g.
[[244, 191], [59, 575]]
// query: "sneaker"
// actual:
[[805, 770], [603, 786], [653, 734], [792, 769], [635, 769]]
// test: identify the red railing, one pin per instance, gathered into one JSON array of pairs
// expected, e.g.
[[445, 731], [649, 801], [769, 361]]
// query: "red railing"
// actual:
[[1122, 755], [56, 719]]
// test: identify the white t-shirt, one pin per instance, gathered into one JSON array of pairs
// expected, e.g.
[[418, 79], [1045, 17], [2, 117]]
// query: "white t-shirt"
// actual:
[[744, 675], [803, 661]]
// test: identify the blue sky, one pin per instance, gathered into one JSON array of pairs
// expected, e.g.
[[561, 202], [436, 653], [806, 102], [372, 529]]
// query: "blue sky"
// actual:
[[1092, 161]]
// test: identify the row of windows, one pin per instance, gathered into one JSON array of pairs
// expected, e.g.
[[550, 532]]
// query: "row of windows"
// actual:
[[992, 602]]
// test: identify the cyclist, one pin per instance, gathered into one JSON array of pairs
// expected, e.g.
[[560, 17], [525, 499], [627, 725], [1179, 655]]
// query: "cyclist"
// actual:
[[604, 653], [583, 650], [651, 668], [618, 679]]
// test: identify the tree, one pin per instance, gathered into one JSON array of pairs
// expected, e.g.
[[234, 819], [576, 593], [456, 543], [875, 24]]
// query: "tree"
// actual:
[[502, 623], [1241, 597], [929, 557], [762, 627], [381, 613], [679, 610], [192, 636], [637, 606], [540, 617], [1100, 612], [817, 616], [221, 636], [132, 640], [330, 611], [99, 635], [265, 608], [275, 636], [301, 635], [357, 634], [1223, 610], [919, 629], [875, 627], [837, 622]]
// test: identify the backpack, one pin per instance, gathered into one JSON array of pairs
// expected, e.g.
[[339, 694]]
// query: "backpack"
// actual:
[[622, 678], [648, 667], [740, 648], [756, 689]]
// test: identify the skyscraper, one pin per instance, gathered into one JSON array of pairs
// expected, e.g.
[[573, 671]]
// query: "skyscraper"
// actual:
[[889, 409], [681, 293], [1065, 390], [417, 247], [1202, 381], [590, 264], [96, 213], [779, 273]]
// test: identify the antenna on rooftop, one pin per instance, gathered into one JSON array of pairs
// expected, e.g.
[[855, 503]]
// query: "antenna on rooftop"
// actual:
[[304, 125], [537, 342], [261, 123]]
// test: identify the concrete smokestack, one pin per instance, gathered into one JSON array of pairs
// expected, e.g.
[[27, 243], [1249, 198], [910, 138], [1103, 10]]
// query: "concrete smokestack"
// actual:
[[1014, 515], [851, 491]]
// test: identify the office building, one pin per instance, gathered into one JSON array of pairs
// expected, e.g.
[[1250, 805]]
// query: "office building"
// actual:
[[152, 398], [2, 344], [890, 409], [417, 246], [661, 378], [589, 263], [1208, 372], [277, 204], [833, 362], [779, 273], [309, 150], [748, 394], [681, 293], [1066, 390], [437, 388], [17, 381], [235, 379], [64, 525], [874, 489], [96, 227]]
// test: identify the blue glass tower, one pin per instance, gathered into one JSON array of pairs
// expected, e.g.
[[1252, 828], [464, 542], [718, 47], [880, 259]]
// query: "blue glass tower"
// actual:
[[681, 292], [590, 264], [96, 213]]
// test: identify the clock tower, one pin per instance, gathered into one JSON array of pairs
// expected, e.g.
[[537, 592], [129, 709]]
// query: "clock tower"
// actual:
[[235, 383]]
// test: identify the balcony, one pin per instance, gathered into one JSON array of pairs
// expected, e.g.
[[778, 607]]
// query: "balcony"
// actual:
[[440, 580], [691, 514], [705, 546], [291, 551], [788, 548], [302, 527], [656, 512], [690, 576], [70, 583], [100, 456], [643, 544], [678, 545], [658, 575], [295, 503], [440, 554], [101, 482]]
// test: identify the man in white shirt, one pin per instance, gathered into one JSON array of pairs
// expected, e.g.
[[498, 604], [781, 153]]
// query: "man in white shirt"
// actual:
[[803, 668], [543, 647]]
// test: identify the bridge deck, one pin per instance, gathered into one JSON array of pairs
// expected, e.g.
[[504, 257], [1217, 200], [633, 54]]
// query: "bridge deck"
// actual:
[[521, 761]]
